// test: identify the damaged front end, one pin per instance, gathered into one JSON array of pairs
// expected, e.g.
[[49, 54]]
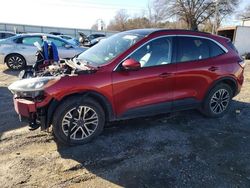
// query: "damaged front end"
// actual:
[[31, 102]]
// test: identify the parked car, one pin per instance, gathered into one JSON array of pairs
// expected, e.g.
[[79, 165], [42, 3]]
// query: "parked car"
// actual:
[[94, 36], [70, 39], [91, 39], [132, 74], [93, 42], [56, 33], [19, 51], [6, 34]]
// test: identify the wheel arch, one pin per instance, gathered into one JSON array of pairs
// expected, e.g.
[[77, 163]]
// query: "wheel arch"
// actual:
[[14, 53], [226, 80], [102, 100]]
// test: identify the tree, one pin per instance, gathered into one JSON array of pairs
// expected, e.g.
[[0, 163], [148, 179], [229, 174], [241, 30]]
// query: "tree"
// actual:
[[197, 12], [94, 26], [119, 21], [245, 13], [156, 12], [137, 22]]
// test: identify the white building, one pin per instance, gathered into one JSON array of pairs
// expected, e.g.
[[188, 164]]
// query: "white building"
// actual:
[[246, 22]]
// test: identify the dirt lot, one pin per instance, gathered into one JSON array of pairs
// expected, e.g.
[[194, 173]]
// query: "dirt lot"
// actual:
[[176, 150]]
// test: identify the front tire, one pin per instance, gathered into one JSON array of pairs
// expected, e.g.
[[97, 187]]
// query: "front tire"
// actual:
[[85, 117], [15, 62], [218, 101]]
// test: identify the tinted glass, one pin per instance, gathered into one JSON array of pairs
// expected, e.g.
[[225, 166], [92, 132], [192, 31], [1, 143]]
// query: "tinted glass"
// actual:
[[30, 40], [66, 37], [191, 48], [215, 50], [231, 45], [7, 35], [156, 52], [57, 42]]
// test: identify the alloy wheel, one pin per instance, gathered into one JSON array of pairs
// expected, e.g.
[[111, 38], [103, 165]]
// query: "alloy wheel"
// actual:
[[15, 62], [219, 101], [83, 122]]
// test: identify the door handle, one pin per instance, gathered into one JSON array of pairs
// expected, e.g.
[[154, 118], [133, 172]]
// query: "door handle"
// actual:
[[165, 74], [213, 68]]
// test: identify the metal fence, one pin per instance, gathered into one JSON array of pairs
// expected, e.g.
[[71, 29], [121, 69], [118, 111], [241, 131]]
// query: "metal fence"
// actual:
[[19, 28]]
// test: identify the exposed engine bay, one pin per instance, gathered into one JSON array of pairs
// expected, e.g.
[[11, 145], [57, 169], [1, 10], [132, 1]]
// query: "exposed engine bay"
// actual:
[[63, 67]]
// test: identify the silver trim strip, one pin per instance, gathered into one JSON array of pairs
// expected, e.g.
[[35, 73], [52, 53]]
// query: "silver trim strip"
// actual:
[[202, 37]]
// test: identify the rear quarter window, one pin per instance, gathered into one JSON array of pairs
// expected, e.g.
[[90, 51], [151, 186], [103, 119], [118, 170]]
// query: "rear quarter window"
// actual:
[[215, 49], [231, 45]]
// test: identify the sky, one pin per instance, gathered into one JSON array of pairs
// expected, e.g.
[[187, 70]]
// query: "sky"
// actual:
[[72, 13]]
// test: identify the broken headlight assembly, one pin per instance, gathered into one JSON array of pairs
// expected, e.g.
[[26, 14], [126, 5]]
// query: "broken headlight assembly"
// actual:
[[32, 87]]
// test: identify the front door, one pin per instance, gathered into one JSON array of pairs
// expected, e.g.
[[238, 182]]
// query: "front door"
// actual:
[[149, 89]]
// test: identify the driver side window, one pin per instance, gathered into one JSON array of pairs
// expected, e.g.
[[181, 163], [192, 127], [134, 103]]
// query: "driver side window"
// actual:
[[154, 53]]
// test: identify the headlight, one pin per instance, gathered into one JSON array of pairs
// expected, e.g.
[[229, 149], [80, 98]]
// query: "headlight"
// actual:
[[32, 87]]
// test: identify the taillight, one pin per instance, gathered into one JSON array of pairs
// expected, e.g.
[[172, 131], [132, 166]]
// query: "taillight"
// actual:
[[242, 63]]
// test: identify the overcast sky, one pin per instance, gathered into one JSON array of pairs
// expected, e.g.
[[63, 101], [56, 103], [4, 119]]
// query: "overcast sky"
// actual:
[[70, 13]]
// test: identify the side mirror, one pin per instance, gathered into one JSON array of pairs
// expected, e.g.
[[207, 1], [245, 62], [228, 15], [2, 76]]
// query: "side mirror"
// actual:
[[131, 64], [68, 46]]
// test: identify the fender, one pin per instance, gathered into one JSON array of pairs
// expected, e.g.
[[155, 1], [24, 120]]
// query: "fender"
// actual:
[[226, 79], [109, 112]]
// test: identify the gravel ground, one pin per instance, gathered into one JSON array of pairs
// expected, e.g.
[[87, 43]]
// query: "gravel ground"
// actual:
[[181, 149]]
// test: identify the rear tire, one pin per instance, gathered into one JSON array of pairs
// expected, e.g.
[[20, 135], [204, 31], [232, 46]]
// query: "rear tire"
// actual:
[[86, 123], [218, 101], [15, 62]]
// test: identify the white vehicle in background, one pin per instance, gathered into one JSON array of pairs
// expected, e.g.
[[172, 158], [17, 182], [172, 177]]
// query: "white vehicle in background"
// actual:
[[239, 35], [6, 34], [19, 51]]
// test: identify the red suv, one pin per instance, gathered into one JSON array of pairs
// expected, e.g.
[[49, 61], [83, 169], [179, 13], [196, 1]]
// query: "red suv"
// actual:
[[131, 74]]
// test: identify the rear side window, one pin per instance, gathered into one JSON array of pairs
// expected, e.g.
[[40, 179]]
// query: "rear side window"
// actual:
[[194, 48], [191, 48], [29, 40]]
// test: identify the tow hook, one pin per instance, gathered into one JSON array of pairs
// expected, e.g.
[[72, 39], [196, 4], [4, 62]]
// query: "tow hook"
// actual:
[[33, 125]]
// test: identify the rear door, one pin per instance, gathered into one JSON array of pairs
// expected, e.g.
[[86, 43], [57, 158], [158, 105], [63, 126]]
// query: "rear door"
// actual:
[[25, 47], [197, 66], [149, 89]]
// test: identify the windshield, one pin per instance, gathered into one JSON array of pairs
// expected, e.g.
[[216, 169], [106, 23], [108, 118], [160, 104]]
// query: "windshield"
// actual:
[[109, 48]]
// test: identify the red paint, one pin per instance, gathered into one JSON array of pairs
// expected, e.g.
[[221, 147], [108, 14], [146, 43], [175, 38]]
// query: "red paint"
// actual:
[[129, 89]]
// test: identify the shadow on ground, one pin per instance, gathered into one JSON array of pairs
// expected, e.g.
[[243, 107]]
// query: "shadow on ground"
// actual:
[[8, 118], [176, 150], [11, 72]]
